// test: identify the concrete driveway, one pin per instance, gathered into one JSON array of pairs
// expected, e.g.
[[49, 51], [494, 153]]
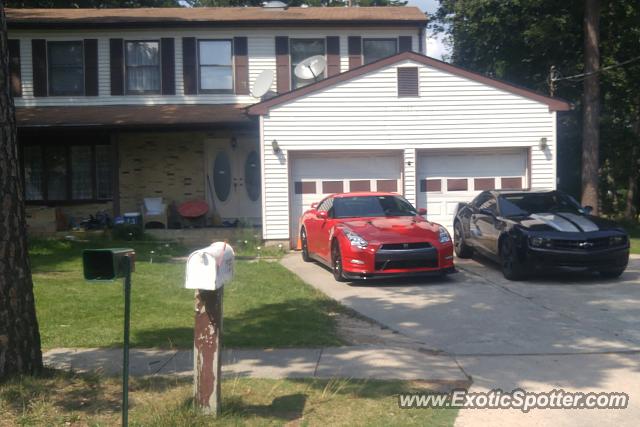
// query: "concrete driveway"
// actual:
[[574, 331]]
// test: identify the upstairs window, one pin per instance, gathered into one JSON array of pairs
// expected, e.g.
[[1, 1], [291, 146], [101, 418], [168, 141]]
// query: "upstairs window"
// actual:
[[215, 66], [374, 49], [66, 68], [142, 60], [302, 49]]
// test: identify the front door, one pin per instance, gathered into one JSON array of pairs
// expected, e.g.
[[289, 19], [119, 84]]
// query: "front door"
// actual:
[[233, 181]]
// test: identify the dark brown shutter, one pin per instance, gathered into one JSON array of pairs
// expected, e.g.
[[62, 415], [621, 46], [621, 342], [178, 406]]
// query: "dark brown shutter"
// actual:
[[189, 66], [404, 44], [283, 68], [116, 54], [241, 61], [39, 56], [333, 55], [408, 81], [14, 68], [91, 67], [167, 56], [355, 52]]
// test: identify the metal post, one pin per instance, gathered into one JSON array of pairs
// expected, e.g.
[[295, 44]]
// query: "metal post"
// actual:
[[206, 351], [125, 356]]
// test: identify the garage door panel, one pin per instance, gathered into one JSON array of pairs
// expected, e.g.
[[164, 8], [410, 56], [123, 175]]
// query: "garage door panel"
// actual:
[[447, 179], [317, 175]]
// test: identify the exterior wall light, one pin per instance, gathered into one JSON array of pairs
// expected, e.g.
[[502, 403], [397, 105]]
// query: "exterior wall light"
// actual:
[[543, 144], [276, 147]]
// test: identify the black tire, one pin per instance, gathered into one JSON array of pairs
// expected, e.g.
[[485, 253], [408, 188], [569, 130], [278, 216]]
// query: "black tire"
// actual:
[[461, 248], [336, 262], [305, 247], [512, 267], [613, 274]]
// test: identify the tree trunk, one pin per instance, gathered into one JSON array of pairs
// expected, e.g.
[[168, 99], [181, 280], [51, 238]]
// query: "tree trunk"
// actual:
[[19, 335], [631, 211], [591, 107]]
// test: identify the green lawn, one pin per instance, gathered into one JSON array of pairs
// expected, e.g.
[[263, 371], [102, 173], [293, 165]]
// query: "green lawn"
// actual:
[[635, 239], [163, 401], [265, 305]]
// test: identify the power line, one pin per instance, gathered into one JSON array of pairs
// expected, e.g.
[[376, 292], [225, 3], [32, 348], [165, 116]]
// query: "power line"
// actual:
[[599, 70], [555, 76]]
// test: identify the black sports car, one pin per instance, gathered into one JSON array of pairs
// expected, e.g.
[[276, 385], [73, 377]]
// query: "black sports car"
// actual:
[[529, 230]]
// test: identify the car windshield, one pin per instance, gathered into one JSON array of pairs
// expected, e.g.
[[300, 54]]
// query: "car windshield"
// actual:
[[524, 204], [371, 206]]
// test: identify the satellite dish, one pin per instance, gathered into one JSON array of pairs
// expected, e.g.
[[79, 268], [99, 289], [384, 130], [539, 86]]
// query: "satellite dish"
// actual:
[[262, 83], [310, 68]]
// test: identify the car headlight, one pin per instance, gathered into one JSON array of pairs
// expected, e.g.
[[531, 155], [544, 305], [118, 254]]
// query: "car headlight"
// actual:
[[617, 240], [444, 235], [355, 239], [540, 242]]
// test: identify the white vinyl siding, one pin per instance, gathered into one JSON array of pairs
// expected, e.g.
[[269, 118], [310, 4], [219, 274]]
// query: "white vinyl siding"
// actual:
[[365, 113], [261, 52]]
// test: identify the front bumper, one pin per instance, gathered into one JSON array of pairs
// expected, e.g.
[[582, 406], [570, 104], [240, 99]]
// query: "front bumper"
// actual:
[[376, 262], [605, 259]]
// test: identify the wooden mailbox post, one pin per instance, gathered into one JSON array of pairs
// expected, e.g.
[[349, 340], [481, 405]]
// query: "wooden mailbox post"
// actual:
[[208, 270]]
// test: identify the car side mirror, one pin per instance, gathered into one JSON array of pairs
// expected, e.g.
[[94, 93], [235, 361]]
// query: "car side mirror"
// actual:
[[422, 211], [322, 214], [314, 205], [587, 209]]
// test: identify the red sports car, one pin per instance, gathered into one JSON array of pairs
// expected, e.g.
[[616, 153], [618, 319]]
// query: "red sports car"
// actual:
[[367, 235]]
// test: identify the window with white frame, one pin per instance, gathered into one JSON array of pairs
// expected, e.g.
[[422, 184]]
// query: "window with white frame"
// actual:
[[374, 49], [215, 67], [66, 68], [142, 61], [302, 49]]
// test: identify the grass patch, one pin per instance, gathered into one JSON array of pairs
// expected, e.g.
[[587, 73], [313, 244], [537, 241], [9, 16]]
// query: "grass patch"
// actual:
[[265, 305], [634, 232], [163, 401]]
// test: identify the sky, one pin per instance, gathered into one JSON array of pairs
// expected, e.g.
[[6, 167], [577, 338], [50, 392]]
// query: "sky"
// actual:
[[435, 46]]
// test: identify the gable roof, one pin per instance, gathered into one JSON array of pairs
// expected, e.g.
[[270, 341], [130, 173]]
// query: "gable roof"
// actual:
[[213, 16], [555, 104]]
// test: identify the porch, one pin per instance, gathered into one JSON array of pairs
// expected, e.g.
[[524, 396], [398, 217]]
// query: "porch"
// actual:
[[99, 162]]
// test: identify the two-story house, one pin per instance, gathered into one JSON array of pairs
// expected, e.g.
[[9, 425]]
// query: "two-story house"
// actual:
[[116, 105]]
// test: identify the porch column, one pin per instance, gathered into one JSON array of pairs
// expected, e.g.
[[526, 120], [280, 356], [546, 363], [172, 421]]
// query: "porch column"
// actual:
[[409, 179]]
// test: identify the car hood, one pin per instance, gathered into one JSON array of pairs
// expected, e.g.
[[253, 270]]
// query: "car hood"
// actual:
[[394, 229], [565, 222]]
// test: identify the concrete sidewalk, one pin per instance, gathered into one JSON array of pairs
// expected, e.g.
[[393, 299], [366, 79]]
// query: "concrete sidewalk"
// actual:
[[366, 362]]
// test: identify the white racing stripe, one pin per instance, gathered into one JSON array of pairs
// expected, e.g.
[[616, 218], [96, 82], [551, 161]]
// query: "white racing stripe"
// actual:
[[585, 223], [556, 222]]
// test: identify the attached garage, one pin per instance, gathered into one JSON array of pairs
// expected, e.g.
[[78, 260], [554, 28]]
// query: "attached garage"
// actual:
[[446, 178], [428, 130], [315, 175]]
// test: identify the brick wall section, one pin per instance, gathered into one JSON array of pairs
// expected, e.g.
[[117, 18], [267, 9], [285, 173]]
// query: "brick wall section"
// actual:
[[168, 165]]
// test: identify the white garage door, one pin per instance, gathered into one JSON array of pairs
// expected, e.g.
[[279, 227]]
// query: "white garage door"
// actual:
[[315, 176], [444, 180]]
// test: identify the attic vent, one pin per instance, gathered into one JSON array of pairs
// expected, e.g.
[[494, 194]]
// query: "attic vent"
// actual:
[[408, 84]]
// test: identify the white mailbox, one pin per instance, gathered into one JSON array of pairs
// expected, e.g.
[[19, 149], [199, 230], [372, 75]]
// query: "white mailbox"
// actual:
[[210, 268]]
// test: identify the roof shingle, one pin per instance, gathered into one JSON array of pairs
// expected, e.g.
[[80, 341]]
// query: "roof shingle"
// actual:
[[220, 16]]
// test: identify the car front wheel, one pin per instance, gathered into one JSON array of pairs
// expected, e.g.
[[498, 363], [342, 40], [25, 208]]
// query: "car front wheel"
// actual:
[[305, 246], [512, 268], [336, 262], [462, 249]]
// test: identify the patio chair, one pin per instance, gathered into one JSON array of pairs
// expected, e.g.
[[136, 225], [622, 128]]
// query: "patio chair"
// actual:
[[154, 211]]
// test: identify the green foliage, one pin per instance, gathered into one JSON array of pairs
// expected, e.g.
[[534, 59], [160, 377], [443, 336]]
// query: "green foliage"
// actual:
[[127, 232], [519, 40]]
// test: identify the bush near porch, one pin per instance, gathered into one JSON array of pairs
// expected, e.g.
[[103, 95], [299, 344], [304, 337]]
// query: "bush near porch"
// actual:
[[265, 306]]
